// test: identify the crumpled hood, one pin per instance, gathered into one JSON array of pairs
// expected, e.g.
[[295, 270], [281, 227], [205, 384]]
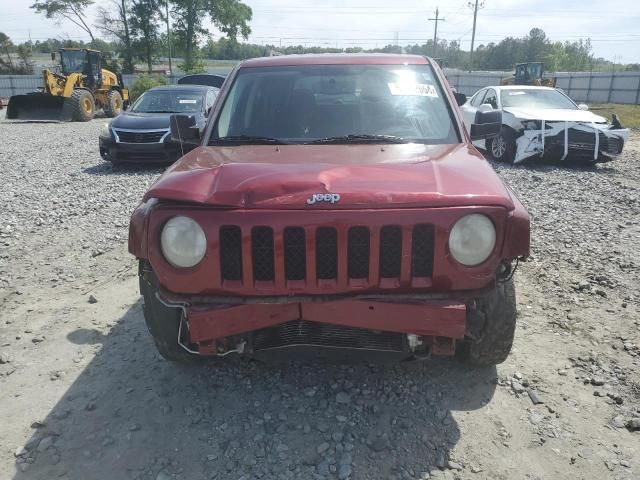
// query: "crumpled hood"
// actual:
[[552, 115], [364, 176]]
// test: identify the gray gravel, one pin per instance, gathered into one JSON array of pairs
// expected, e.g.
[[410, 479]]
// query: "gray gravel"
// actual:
[[86, 395]]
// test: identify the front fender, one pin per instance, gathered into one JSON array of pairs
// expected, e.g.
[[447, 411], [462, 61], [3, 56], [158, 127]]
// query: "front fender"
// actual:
[[517, 243], [138, 228]]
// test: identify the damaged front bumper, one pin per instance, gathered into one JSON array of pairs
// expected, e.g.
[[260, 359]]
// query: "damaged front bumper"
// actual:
[[566, 140], [413, 324]]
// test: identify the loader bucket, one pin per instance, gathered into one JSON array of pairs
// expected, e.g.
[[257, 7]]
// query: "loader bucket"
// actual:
[[38, 107]]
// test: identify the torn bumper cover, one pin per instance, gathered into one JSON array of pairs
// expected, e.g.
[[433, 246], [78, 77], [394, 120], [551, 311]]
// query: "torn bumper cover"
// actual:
[[361, 324], [567, 140]]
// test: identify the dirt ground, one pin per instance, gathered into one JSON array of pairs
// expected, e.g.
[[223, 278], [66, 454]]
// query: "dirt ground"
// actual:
[[84, 395]]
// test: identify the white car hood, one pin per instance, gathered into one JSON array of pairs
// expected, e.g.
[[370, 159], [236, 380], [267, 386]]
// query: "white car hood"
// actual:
[[555, 115]]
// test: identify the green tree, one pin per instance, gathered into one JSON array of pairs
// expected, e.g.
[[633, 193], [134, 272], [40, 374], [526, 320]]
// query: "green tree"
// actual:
[[229, 16], [115, 23], [145, 18], [72, 10]]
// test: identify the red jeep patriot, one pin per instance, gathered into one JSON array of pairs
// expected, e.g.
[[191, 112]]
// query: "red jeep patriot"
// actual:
[[333, 201]]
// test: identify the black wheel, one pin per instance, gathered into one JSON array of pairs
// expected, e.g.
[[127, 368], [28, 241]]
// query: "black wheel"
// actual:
[[502, 147], [81, 106], [164, 322], [494, 321], [113, 105]]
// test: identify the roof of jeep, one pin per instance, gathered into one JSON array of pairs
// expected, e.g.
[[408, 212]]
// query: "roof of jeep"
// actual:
[[335, 59]]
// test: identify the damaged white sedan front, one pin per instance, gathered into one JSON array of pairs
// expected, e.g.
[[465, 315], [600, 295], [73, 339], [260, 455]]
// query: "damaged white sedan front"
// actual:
[[544, 123]]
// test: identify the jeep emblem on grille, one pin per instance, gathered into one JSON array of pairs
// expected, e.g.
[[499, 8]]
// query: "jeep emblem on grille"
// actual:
[[323, 197]]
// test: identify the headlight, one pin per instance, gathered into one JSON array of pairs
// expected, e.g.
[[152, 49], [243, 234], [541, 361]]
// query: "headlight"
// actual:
[[183, 242], [105, 131], [472, 239]]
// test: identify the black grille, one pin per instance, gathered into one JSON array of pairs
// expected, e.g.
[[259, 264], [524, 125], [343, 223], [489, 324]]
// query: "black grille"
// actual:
[[140, 137], [326, 253], [262, 253], [301, 332], [295, 253], [231, 253], [614, 145], [422, 251], [390, 251], [358, 252]]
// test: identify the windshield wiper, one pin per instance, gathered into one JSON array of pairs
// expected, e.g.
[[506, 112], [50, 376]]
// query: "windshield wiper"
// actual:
[[360, 138], [157, 111], [248, 139]]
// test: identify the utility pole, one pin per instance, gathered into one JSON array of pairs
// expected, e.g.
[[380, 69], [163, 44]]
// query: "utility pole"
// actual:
[[473, 35], [166, 5], [435, 31]]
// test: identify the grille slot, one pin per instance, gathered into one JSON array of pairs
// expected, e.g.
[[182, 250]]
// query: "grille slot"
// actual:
[[390, 251], [302, 332], [422, 251], [231, 253], [295, 253], [358, 252], [262, 253], [326, 253], [140, 137]]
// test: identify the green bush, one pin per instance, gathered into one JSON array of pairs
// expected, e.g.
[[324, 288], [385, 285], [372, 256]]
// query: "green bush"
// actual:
[[145, 82]]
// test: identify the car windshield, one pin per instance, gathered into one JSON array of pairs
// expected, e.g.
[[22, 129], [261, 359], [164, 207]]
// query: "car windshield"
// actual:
[[336, 104], [167, 101], [534, 98]]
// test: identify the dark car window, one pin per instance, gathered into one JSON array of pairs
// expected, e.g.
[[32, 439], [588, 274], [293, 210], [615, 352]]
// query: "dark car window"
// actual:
[[303, 103], [210, 99], [536, 98], [168, 101], [491, 98], [477, 98]]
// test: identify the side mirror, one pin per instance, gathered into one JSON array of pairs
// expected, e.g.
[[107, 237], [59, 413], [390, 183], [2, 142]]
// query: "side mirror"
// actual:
[[486, 125], [184, 129], [583, 106], [461, 98], [485, 107]]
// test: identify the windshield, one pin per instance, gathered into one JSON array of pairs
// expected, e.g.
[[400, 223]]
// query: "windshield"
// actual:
[[72, 61], [338, 104], [533, 98], [166, 101]]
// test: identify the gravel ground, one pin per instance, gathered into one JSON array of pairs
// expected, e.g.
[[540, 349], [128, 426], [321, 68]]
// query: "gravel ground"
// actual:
[[83, 394]]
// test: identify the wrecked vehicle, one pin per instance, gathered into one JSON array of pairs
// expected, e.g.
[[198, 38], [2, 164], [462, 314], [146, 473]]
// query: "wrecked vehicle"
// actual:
[[544, 123], [334, 202]]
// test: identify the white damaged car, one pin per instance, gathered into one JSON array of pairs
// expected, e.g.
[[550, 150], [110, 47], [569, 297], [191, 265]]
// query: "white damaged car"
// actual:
[[544, 123]]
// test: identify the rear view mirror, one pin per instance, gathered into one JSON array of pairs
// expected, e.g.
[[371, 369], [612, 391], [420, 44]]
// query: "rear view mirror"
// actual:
[[461, 98], [184, 129], [486, 125]]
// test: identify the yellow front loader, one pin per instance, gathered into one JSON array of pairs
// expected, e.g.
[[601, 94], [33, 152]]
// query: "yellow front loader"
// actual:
[[80, 88]]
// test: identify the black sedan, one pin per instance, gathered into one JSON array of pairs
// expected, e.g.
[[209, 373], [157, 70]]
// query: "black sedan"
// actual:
[[141, 134]]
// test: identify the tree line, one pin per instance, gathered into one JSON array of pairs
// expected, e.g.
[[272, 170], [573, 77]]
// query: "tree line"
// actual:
[[131, 32]]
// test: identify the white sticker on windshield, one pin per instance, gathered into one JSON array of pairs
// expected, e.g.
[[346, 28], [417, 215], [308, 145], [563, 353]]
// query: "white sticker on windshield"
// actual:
[[517, 93], [413, 89], [187, 101]]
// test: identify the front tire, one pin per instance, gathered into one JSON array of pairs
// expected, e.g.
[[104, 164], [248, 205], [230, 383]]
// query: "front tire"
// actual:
[[495, 314], [81, 105], [502, 147], [163, 322]]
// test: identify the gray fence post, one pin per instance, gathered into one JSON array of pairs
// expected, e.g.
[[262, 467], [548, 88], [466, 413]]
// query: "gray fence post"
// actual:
[[12, 86], [589, 87], [569, 86], [610, 88], [638, 92]]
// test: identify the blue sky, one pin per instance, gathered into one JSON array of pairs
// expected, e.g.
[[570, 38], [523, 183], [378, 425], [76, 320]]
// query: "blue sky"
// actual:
[[612, 25]]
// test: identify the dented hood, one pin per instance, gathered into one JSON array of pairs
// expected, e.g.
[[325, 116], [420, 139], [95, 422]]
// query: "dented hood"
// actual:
[[555, 115], [364, 176]]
